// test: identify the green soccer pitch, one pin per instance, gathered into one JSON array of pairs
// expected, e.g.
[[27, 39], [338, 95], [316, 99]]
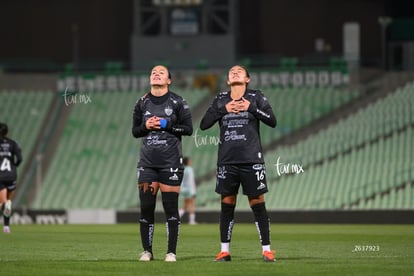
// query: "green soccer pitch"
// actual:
[[300, 249]]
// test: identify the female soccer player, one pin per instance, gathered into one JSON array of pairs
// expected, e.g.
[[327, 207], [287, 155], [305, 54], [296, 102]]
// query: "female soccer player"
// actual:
[[160, 118], [240, 157], [10, 158]]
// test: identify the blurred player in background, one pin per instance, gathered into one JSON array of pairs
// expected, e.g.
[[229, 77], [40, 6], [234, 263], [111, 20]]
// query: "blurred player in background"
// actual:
[[188, 191], [160, 118], [10, 158], [240, 155]]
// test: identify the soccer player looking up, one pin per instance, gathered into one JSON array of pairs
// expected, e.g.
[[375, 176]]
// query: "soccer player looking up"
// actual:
[[10, 158], [240, 156], [160, 118]]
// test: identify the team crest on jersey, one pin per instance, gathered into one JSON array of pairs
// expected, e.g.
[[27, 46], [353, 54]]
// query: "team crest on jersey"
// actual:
[[168, 111]]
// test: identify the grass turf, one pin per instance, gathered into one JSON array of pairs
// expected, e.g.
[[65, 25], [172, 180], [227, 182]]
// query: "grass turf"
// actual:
[[301, 249]]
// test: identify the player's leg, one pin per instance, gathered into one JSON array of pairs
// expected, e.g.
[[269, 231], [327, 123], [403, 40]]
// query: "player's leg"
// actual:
[[254, 186], [7, 212], [228, 184], [191, 210], [6, 195], [228, 204], [170, 204], [184, 208], [147, 195], [170, 181], [147, 188], [258, 206], [3, 196], [10, 194]]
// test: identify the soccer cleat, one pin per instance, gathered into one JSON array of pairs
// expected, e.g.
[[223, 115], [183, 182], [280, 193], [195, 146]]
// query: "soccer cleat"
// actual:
[[268, 256], [223, 257], [146, 256], [170, 257], [7, 208], [6, 229]]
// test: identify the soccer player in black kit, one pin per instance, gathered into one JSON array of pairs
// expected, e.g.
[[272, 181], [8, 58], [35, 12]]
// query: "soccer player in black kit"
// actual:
[[10, 158], [160, 118], [240, 156]]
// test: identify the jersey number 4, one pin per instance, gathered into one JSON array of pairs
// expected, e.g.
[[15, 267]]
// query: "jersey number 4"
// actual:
[[5, 165]]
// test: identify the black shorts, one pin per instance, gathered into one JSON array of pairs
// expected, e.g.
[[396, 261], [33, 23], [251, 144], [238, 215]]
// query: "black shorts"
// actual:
[[252, 178], [9, 185], [168, 176]]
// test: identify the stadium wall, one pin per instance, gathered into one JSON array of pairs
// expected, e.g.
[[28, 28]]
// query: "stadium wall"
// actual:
[[286, 28], [109, 216]]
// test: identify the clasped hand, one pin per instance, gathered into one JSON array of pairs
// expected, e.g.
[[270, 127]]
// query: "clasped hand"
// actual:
[[153, 123], [236, 106]]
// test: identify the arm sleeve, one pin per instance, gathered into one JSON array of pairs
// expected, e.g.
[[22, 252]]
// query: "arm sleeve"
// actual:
[[213, 114], [18, 155], [184, 124], [262, 110], [138, 123]]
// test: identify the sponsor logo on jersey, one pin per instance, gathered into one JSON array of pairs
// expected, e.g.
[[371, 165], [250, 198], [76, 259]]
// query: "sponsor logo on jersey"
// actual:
[[154, 140], [147, 113], [258, 167], [5, 146], [233, 136]]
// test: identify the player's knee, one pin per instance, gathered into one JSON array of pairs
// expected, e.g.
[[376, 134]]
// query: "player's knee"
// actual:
[[147, 205], [229, 199], [170, 204], [227, 210], [259, 210]]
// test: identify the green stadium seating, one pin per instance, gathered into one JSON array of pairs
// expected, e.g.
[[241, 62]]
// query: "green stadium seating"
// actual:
[[25, 112]]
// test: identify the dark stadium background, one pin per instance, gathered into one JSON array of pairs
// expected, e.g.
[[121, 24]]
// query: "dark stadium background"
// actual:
[[42, 30], [44, 41]]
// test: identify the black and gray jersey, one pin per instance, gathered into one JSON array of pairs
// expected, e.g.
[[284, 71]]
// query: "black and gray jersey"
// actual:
[[239, 132], [162, 148], [10, 159]]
